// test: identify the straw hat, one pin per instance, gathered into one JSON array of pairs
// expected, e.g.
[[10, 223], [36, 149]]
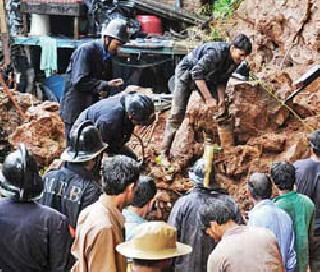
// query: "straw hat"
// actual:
[[154, 241]]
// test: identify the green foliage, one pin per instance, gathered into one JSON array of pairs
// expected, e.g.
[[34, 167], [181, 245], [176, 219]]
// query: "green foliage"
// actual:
[[216, 35], [220, 8]]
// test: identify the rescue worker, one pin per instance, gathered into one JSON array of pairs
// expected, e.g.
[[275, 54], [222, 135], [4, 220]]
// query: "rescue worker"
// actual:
[[33, 237], [207, 69], [116, 117], [90, 70], [185, 218], [75, 186]]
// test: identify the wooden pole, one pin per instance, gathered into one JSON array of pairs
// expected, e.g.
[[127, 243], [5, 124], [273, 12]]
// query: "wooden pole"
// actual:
[[4, 33]]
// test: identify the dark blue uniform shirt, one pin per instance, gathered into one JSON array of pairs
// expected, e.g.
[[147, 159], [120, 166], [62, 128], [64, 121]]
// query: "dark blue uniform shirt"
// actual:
[[110, 117], [32, 238], [87, 69], [69, 190]]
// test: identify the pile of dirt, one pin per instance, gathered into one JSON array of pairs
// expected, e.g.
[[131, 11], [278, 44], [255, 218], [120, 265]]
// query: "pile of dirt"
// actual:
[[42, 130], [283, 32], [10, 119]]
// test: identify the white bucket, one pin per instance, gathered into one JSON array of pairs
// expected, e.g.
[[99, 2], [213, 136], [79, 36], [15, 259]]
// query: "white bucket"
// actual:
[[39, 25]]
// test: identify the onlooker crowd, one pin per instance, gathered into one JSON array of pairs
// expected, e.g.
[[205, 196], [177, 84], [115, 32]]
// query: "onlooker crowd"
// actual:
[[205, 230]]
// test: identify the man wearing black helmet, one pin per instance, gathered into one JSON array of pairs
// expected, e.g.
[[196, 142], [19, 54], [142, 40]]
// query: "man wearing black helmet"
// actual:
[[90, 72], [33, 237], [76, 185], [185, 218], [116, 117], [308, 183]]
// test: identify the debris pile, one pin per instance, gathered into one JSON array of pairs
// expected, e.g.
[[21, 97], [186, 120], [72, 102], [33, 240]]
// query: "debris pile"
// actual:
[[42, 132], [286, 42], [283, 32], [264, 132], [9, 119]]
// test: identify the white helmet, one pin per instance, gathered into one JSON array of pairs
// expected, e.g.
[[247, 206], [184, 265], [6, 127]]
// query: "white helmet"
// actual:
[[116, 29]]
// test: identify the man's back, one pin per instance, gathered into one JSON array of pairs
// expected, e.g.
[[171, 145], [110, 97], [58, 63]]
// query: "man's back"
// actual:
[[245, 249], [301, 210], [211, 62], [184, 217], [308, 183], [266, 214], [33, 238], [69, 190], [110, 117]]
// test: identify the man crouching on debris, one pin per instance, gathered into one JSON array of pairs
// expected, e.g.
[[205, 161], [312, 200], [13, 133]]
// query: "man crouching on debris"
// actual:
[[184, 218], [208, 69], [116, 117]]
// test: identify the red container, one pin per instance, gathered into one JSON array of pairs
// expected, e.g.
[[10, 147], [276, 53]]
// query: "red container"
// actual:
[[150, 24]]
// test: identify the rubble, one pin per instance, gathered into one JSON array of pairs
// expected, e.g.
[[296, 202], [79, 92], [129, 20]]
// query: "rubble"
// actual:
[[264, 131], [284, 32], [42, 132], [9, 119], [285, 43]]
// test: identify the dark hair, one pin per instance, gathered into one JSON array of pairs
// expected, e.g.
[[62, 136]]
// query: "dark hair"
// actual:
[[153, 263], [314, 140], [283, 175], [145, 190], [214, 210], [242, 42], [118, 173], [260, 186]]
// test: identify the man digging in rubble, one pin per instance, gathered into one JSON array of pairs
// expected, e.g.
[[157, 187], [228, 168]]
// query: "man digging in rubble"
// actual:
[[89, 69], [184, 217], [116, 118], [208, 69]]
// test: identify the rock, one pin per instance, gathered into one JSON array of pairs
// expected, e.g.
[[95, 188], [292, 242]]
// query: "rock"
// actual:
[[188, 142], [43, 133], [255, 111], [269, 143], [307, 102], [236, 160], [9, 119], [280, 28]]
